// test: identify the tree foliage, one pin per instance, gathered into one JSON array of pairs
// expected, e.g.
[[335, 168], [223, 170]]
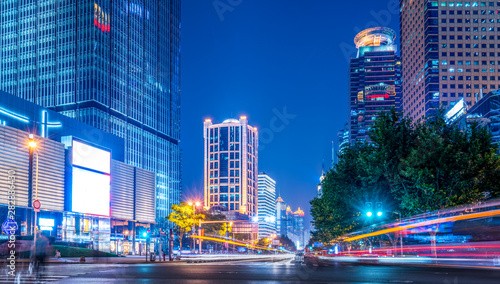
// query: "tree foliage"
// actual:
[[184, 217], [219, 229], [287, 243], [410, 167]]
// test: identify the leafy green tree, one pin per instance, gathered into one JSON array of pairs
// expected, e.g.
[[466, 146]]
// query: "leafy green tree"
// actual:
[[287, 243], [242, 236], [263, 242], [412, 167], [184, 217], [219, 229]]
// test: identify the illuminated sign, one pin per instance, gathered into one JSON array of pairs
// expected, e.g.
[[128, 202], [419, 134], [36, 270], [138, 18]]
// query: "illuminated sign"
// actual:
[[14, 115], [379, 92], [90, 192], [45, 123], [46, 224], [86, 225], [377, 97], [101, 19], [91, 180], [93, 158]]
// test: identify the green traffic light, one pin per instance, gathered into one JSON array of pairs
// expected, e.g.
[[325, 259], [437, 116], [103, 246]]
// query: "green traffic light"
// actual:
[[369, 214], [379, 213], [144, 234]]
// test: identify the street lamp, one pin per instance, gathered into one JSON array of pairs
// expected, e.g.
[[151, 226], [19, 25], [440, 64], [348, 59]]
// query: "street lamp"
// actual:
[[32, 146], [194, 204], [400, 232]]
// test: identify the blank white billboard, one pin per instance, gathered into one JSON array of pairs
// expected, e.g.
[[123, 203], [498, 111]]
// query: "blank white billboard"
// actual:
[[90, 192], [90, 157]]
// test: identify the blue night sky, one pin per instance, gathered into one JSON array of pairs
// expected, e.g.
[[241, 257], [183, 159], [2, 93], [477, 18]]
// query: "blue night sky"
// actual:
[[260, 57]]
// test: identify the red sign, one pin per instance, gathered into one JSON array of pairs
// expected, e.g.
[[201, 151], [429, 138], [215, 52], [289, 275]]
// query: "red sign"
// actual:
[[36, 204], [377, 96]]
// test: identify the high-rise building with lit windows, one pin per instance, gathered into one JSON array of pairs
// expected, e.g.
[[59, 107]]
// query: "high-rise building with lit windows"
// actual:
[[450, 51], [374, 80], [111, 64], [266, 205], [231, 165]]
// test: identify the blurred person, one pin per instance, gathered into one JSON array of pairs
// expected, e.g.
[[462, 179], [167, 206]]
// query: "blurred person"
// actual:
[[42, 248]]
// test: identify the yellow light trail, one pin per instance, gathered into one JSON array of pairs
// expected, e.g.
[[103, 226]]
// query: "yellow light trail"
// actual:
[[426, 223], [231, 242]]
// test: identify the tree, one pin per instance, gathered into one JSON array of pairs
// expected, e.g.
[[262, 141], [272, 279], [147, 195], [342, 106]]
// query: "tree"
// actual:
[[287, 243], [184, 217], [411, 167], [215, 228], [263, 242]]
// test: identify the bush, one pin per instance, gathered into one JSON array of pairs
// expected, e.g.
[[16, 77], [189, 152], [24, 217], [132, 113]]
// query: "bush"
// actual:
[[77, 252]]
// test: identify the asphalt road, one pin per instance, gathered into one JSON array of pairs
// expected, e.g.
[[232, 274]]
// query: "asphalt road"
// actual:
[[256, 272]]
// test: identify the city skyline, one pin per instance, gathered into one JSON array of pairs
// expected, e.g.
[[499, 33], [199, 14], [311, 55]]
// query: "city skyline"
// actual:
[[304, 77], [317, 141]]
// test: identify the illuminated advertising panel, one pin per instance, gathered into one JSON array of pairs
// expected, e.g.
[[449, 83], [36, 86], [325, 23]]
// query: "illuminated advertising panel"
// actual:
[[101, 18], [379, 92], [90, 192], [91, 157]]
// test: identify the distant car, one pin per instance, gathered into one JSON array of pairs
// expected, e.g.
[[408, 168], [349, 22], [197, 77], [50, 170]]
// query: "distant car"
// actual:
[[299, 257]]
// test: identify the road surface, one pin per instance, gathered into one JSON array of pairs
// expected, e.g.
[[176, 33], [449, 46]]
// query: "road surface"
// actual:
[[257, 271]]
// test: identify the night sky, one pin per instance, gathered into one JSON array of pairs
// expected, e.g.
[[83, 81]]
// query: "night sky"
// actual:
[[256, 58]]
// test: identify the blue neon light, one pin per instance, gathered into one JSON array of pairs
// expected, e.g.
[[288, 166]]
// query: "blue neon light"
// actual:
[[14, 115], [46, 124]]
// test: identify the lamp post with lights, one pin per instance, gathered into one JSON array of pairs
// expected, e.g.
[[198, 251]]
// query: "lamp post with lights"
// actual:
[[400, 232], [32, 146], [194, 204]]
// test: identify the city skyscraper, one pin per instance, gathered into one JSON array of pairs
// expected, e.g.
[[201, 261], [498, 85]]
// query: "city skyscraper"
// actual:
[[343, 140], [295, 227], [374, 80], [281, 217], [266, 205], [231, 165], [449, 51], [112, 64]]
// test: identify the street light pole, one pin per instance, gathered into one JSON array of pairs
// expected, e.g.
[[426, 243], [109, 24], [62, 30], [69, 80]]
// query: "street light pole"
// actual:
[[400, 234], [32, 145], [214, 222], [194, 204], [36, 196]]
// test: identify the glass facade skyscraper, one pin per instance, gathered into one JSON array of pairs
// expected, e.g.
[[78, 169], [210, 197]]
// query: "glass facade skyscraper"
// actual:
[[112, 64], [231, 165], [374, 80], [266, 205]]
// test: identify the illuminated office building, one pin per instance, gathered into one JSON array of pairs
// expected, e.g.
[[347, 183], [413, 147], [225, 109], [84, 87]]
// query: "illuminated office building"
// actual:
[[343, 140], [266, 205], [230, 165], [450, 51], [281, 217], [111, 64], [88, 196], [374, 81], [295, 227]]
